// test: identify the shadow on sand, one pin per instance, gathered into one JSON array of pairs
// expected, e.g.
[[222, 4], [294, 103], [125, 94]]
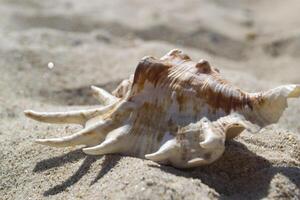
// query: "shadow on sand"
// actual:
[[109, 162], [239, 173]]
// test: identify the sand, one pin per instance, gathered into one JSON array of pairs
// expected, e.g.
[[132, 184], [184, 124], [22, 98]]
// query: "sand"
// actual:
[[255, 44]]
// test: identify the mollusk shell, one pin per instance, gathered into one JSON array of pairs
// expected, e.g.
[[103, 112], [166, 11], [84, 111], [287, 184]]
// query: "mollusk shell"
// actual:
[[172, 111]]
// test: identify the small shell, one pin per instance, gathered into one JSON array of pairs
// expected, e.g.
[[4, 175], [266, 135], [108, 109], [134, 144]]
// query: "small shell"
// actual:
[[172, 111]]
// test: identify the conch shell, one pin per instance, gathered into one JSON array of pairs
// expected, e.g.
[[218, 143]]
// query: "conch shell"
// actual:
[[172, 111]]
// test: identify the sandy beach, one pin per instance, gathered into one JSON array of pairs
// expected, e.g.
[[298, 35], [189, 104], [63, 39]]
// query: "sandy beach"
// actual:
[[255, 44]]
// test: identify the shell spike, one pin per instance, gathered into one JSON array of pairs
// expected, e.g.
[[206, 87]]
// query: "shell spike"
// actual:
[[86, 136], [234, 129], [197, 162], [103, 96], [275, 102], [55, 117], [212, 138], [164, 153], [115, 142], [294, 91], [211, 142], [76, 117]]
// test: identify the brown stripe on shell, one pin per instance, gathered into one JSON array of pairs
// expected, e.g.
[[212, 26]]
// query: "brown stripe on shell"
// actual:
[[157, 70], [180, 138], [149, 69], [157, 113], [151, 127], [177, 71], [235, 99]]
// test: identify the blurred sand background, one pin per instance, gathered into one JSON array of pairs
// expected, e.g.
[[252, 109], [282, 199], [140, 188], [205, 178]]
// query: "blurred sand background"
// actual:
[[255, 44]]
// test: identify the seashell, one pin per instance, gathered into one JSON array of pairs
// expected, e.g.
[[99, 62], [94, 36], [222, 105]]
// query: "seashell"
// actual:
[[172, 111]]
